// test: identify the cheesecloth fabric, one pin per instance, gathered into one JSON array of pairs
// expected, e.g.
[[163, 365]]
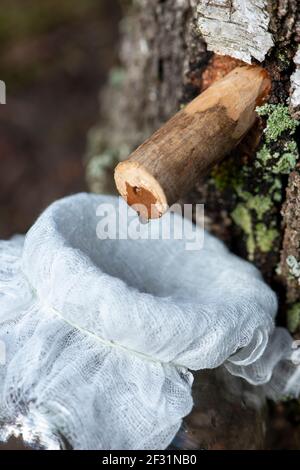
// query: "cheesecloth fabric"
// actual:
[[99, 336]]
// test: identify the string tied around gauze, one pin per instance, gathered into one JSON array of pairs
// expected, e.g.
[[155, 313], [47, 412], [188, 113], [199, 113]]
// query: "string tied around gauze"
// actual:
[[101, 335], [105, 342]]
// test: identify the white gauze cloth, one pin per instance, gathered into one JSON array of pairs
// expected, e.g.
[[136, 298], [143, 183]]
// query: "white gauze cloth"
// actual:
[[100, 335]]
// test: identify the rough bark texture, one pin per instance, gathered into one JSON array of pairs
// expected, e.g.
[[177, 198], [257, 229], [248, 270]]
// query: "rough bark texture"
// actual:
[[162, 58], [290, 267], [295, 87], [238, 28], [164, 64]]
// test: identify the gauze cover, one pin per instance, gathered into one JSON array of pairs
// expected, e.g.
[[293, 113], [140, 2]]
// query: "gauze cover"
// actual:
[[100, 335]]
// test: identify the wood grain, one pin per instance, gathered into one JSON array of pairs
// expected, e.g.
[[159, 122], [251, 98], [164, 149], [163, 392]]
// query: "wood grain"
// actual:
[[170, 162]]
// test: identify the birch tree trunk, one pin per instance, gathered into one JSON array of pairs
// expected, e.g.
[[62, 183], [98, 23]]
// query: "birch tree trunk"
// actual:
[[171, 50]]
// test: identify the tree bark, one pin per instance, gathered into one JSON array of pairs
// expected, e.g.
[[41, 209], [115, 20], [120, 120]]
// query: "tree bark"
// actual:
[[165, 64], [170, 52]]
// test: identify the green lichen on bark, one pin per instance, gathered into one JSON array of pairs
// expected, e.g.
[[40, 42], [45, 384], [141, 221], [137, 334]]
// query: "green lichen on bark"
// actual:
[[293, 317], [242, 217], [265, 237], [278, 121], [257, 197], [294, 266], [257, 236]]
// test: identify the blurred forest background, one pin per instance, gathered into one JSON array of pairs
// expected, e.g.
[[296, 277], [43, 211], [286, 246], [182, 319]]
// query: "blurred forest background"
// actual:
[[54, 57]]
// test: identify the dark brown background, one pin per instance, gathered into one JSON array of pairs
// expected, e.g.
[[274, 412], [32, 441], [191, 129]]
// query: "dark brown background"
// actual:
[[54, 58]]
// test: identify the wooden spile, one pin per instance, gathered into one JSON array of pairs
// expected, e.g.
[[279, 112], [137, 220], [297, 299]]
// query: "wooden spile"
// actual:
[[169, 163]]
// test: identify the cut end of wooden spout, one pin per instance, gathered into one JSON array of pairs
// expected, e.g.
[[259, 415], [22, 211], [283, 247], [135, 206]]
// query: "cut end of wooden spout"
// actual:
[[140, 190]]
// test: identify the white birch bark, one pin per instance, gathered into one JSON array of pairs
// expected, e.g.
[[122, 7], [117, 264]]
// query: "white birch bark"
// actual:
[[238, 28]]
